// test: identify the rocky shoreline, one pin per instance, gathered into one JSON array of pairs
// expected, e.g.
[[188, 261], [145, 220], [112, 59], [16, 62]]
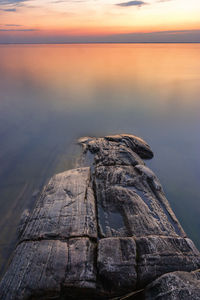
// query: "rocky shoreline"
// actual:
[[104, 230]]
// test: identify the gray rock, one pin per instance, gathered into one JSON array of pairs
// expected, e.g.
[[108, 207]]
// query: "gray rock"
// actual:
[[116, 264], [159, 255], [37, 269], [66, 208], [174, 286], [103, 230]]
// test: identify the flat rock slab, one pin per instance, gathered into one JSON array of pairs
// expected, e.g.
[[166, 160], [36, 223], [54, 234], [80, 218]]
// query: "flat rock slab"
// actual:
[[81, 268], [116, 263], [159, 255], [48, 267], [37, 268], [103, 230], [66, 209]]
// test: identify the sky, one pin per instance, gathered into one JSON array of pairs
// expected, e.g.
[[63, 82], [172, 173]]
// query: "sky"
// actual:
[[66, 21]]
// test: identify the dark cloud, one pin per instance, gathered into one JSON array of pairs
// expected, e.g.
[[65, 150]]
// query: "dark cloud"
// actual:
[[29, 29], [170, 36], [13, 2], [11, 5], [58, 1], [131, 3], [177, 36], [8, 9], [12, 25]]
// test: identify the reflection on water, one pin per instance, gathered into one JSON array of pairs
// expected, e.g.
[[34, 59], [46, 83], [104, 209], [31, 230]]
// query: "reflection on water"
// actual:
[[52, 94]]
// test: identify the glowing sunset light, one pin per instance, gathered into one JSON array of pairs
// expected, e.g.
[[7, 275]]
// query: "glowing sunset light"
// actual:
[[100, 20]]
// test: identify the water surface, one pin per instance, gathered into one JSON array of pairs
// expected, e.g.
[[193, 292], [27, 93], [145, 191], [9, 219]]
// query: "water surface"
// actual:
[[52, 94]]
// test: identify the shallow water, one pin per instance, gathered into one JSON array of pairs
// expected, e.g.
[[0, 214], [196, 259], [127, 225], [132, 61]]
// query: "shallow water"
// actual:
[[52, 94]]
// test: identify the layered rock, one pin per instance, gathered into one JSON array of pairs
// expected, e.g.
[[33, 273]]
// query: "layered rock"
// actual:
[[103, 230]]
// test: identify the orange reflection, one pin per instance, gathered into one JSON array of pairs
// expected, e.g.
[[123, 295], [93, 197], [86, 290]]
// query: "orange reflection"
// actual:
[[81, 70]]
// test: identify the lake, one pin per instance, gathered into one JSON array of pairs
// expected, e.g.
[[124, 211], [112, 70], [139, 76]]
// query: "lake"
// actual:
[[52, 94]]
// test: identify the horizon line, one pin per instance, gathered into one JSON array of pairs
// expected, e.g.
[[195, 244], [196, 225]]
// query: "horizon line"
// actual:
[[68, 43]]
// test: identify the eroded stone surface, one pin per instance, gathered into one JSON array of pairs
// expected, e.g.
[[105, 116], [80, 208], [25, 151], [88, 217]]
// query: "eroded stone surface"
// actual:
[[116, 265], [159, 255], [101, 231], [175, 286], [124, 194], [66, 208], [38, 268], [81, 268]]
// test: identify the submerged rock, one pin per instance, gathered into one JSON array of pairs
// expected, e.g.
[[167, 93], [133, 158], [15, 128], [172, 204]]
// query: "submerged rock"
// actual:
[[103, 230]]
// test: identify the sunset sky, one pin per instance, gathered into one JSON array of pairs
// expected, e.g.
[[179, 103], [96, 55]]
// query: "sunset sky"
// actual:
[[43, 21]]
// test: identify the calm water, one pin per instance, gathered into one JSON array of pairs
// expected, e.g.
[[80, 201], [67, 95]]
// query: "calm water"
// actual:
[[52, 94]]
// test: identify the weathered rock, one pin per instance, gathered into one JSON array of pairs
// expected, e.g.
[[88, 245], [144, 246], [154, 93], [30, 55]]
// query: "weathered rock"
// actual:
[[46, 268], [37, 269], [81, 266], [102, 231], [159, 255], [66, 209], [116, 264], [174, 286], [128, 206], [171, 286]]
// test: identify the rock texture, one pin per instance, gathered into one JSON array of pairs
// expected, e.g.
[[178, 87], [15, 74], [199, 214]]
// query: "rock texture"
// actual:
[[104, 230], [176, 285]]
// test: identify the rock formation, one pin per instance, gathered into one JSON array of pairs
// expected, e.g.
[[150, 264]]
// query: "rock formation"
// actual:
[[104, 230]]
